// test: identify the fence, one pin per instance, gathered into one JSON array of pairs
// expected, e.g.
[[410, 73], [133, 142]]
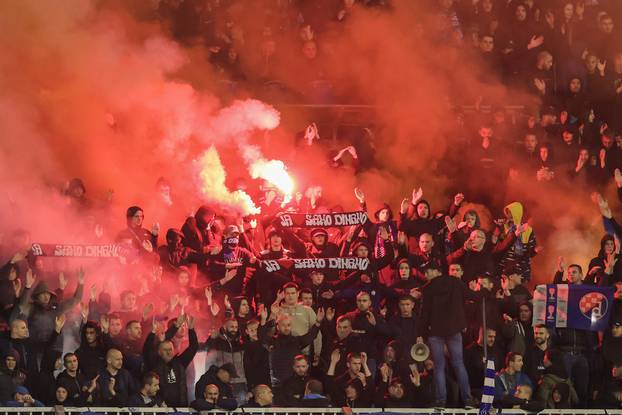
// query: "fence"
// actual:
[[296, 411]]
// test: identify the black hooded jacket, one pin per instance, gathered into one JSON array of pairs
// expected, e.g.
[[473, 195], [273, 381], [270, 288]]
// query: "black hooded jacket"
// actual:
[[197, 230], [91, 359]]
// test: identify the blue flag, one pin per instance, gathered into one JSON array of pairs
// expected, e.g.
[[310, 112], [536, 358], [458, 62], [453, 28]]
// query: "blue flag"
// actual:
[[584, 307]]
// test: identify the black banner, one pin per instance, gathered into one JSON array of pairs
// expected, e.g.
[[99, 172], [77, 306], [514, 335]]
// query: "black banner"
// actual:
[[322, 220], [81, 251], [309, 264]]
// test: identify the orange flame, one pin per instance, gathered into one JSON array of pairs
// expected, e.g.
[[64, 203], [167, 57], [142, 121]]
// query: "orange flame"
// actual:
[[212, 174], [273, 171]]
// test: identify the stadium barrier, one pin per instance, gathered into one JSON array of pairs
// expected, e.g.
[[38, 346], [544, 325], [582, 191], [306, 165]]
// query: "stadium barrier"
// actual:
[[291, 411]]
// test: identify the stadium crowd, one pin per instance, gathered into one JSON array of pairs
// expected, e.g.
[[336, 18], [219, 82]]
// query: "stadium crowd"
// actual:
[[212, 323]]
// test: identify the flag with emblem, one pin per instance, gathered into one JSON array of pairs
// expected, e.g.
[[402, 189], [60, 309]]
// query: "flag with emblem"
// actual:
[[575, 306], [488, 393]]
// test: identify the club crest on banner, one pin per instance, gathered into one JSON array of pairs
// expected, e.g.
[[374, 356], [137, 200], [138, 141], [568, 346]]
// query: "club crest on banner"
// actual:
[[593, 305]]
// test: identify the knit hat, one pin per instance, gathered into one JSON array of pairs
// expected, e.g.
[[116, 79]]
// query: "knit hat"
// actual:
[[274, 232], [21, 390], [318, 231], [171, 234], [361, 242]]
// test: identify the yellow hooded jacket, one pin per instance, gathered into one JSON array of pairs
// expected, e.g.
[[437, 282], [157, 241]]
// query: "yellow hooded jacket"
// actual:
[[515, 210]]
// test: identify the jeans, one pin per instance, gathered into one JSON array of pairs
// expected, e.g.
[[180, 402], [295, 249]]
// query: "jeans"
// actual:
[[579, 371], [437, 349]]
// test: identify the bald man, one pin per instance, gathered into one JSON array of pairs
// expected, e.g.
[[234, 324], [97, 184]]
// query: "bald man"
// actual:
[[212, 400], [115, 384], [284, 345]]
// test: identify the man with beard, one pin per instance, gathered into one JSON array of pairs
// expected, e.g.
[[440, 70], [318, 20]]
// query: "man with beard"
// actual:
[[369, 325], [475, 360], [231, 257], [225, 346], [293, 388], [340, 337], [534, 355]]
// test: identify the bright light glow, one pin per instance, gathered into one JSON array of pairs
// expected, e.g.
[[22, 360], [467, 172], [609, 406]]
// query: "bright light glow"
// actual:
[[273, 171], [212, 174]]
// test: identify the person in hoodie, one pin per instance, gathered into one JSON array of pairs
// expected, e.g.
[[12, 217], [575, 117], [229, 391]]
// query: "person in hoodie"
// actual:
[[225, 346], [406, 284], [242, 311], [200, 231], [17, 340], [10, 367], [92, 350], [175, 254], [221, 377], [211, 400], [395, 394], [231, 257], [23, 398], [555, 375], [9, 279], [422, 220], [460, 233], [522, 245], [367, 280], [607, 250], [41, 309]]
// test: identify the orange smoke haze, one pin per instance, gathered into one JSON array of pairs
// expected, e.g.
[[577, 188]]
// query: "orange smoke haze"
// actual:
[[90, 92]]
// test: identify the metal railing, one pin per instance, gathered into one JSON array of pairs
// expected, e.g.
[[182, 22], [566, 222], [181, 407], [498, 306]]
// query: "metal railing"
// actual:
[[293, 411]]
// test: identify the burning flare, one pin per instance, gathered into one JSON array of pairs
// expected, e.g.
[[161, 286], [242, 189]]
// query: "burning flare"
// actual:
[[212, 174], [273, 171]]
